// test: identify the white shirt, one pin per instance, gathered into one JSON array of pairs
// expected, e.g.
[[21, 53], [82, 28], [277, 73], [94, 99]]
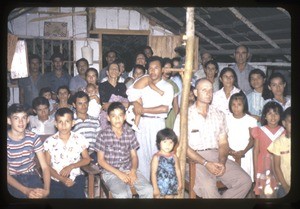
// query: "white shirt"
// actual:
[[42, 128], [151, 98], [221, 102], [63, 154]]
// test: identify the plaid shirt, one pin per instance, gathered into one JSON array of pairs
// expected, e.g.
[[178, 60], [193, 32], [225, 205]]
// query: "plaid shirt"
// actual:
[[117, 151]]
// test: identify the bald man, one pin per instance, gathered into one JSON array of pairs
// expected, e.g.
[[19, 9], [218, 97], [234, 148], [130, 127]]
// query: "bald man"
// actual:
[[208, 146]]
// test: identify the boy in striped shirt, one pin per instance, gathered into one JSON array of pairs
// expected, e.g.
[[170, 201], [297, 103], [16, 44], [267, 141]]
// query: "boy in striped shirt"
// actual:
[[22, 147]]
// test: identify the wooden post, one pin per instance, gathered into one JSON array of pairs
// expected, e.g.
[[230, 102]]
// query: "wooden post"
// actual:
[[183, 141]]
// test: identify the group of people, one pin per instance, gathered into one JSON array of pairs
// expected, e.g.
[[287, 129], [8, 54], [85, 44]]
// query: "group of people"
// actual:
[[127, 123]]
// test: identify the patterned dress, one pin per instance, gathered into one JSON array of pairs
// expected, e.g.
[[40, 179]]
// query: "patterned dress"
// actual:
[[166, 175]]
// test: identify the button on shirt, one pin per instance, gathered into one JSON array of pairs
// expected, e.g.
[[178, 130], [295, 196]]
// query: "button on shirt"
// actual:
[[117, 150], [204, 133]]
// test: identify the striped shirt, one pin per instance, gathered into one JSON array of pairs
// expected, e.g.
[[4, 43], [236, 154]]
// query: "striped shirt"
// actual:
[[89, 128], [117, 151], [20, 154]]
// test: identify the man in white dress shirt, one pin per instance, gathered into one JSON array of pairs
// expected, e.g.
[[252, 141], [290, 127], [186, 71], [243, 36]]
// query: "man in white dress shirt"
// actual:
[[154, 110]]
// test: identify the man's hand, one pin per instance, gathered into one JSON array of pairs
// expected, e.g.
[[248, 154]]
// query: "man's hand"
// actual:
[[65, 172], [217, 169], [132, 176], [124, 177]]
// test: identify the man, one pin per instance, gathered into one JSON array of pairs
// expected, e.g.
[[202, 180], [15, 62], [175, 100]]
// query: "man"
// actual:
[[208, 146], [110, 57], [154, 110], [30, 86], [78, 81], [86, 125], [242, 68], [205, 57], [58, 77]]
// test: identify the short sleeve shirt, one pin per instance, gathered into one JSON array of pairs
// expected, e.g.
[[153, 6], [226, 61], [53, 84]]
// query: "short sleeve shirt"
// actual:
[[117, 150], [63, 154], [20, 154]]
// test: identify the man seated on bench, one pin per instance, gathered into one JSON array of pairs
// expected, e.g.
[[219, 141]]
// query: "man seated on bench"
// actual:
[[208, 147], [116, 150]]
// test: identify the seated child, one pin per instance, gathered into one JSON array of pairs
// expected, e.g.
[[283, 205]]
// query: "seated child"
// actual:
[[281, 150], [165, 171], [47, 93], [22, 148], [116, 148], [66, 152], [94, 103], [42, 123], [141, 83]]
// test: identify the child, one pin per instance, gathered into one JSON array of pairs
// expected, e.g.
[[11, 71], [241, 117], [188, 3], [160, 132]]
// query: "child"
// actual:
[[277, 91], [263, 136], [47, 93], [165, 171], [255, 100], [22, 147], [42, 123], [94, 103], [239, 138], [116, 149], [66, 152], [141, 83], [281, 150]]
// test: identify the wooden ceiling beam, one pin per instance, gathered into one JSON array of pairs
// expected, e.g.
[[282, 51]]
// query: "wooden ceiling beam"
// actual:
[[169, 15], [208, 40], [274, 51]]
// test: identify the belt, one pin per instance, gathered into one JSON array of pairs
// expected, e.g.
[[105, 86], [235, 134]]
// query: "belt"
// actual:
[[150, 116], [206, 149]]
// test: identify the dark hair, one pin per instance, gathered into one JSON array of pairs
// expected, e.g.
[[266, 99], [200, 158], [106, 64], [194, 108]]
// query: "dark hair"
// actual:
[[109, 51], [57, 55], [15, 108], [286, 113], [276, 107], [155, 58], [239, 96], [139, 67], [62, 111], [268, 94], [34, 56], [113, 63], [63, 87], [166, 133], [166, 60], [82, 60], [256, 71], [213, 62], [92, 69], [223, 71], [120, 60], [138, 53], [45, 90], [180, 50], [178, 59], [40, 101], [80, 94], [116, 105], [148, 47]]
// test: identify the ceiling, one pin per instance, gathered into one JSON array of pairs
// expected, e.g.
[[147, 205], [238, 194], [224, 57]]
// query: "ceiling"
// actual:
[[265, 30]]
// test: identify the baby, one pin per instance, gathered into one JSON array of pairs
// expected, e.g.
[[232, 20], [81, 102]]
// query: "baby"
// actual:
[[94, 103]]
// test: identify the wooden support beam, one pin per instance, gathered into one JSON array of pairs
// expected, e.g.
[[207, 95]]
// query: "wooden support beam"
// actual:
[[253, 51], [183, 142], [57, 16], [167, 14], [253, 27], [208, 40], [212, 28]]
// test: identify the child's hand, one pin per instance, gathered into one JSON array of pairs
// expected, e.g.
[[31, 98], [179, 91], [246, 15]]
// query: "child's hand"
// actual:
[[132, 176], [38, 193], [65, 172], [68, 182], [95, 97], [124, 177], [240, 153]]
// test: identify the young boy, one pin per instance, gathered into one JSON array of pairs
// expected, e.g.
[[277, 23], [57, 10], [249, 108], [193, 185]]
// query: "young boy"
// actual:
[[47, 93], [66, 152], [42, 123], [22, 147], [116, 146], [281, 149]]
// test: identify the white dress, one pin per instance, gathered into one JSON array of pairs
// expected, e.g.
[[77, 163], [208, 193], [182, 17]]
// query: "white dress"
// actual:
[[238, 138]]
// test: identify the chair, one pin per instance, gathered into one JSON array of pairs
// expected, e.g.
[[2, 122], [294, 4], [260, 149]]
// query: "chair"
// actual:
[[189, 184]]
